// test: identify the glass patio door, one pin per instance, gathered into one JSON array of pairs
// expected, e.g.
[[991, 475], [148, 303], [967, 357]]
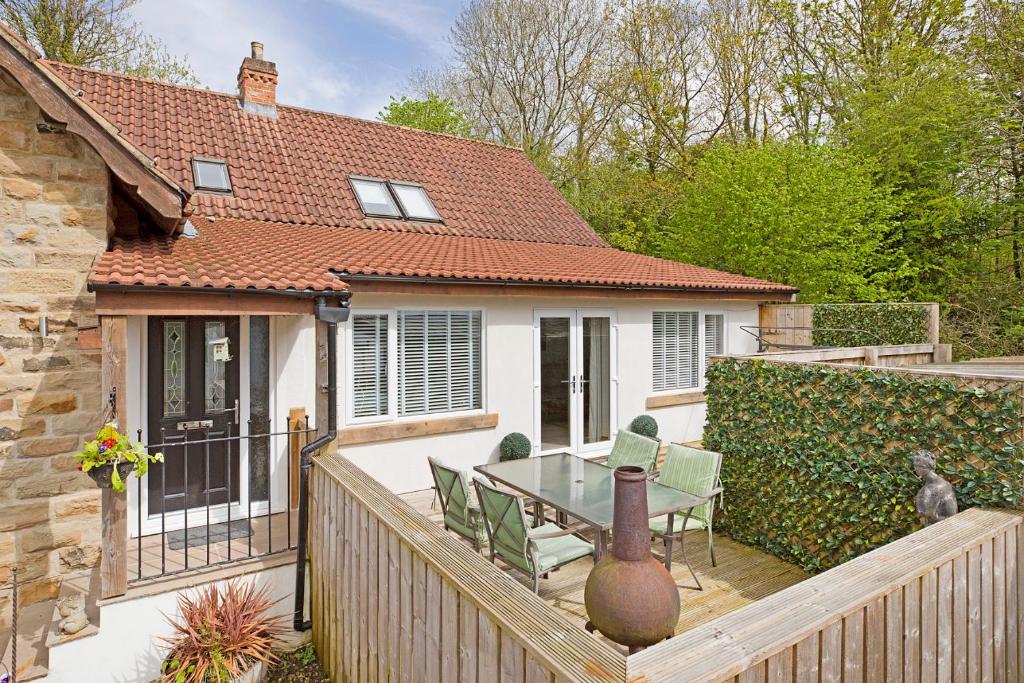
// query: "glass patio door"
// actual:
[[573, 380]]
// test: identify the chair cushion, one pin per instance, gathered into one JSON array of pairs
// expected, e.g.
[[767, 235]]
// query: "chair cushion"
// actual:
[[554, 552], [659, 525], [633, 449], [479, 533]]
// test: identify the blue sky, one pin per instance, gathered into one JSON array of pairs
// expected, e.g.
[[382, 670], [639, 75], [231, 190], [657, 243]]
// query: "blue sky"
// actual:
[[343, 56]]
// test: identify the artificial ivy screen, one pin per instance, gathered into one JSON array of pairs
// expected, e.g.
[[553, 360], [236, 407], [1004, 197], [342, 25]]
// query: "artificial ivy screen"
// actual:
[[892, 323], [816, 463]]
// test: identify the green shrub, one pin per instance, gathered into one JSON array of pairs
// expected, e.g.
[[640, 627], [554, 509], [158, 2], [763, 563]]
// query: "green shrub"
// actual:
[[644, 425], [817, 459], [515, 446], [892, 323]]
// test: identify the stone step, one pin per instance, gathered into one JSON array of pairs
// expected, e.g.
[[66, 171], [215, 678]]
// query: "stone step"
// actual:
[[33, 655]]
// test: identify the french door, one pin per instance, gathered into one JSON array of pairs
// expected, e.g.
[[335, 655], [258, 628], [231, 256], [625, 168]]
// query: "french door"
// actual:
[[574, 380]]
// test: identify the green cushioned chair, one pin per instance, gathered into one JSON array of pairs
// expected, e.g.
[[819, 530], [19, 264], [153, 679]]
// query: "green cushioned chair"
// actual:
[[633, 449], [458, 503], [535, 551], [697, 472]]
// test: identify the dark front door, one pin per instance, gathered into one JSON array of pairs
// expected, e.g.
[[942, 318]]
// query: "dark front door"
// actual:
[[193, 402]]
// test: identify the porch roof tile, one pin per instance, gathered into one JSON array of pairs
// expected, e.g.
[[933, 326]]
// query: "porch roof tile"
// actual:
[[231, 253]]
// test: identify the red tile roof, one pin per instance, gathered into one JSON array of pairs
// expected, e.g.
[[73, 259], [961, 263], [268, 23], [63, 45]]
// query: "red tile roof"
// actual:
[[251, 254], [295, 168], [292, 221]]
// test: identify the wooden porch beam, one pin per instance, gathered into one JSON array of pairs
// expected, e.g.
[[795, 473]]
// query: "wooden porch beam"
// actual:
[[114, 506], [178, 302]]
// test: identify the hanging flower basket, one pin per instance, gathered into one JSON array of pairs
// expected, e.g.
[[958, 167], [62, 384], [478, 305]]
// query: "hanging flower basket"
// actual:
[[111, 458], [103, 475]]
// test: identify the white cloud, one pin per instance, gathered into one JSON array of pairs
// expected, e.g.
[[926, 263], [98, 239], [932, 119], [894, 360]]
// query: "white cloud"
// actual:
[[216, 35], [425, 22]]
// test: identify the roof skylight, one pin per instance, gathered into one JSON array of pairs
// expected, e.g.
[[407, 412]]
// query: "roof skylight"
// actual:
[[211, 175], [374, 197], [415, 202]]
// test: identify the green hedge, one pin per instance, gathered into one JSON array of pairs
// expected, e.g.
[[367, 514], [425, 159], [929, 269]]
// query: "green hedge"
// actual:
[[817, 465], [893, 323]]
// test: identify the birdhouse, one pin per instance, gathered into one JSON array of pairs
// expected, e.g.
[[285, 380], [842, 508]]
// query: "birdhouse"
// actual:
[[221, 349]]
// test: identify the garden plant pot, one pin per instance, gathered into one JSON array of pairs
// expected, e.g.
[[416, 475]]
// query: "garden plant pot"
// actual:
[[256, 673], [101, 474]]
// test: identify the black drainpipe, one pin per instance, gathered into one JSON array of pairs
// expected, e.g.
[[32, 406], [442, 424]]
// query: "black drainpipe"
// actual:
[[331, 316]]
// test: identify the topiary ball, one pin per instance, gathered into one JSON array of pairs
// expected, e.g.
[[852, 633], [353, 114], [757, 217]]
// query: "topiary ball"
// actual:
[[644, 425], [515, 446]]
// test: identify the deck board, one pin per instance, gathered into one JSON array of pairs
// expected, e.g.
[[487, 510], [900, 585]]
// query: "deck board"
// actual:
[[743, 575]]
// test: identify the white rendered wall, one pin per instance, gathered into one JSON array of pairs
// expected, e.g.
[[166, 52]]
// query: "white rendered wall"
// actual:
[[127, 648], [508, 378]]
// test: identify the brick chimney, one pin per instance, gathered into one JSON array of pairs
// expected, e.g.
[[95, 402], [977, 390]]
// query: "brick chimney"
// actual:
[[257, 84]]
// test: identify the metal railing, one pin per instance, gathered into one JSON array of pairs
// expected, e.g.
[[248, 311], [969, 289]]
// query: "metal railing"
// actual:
[[214, 537], [764, 343]]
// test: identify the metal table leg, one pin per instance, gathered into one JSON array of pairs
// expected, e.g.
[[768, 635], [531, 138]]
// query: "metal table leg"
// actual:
[[682, 548], [668, 541], [600, 543]]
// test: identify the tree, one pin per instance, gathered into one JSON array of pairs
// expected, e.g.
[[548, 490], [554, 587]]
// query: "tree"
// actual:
[[741, 41], [95, 33], [920, 126], [433, 113], [523, 68], [663, 79], [997, 44], [809, 216]]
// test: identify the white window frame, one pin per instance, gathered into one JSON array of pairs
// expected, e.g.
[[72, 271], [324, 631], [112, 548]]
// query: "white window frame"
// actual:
[[392, 380], [703, 341], [210, 188], [392, 414], [701, 347]]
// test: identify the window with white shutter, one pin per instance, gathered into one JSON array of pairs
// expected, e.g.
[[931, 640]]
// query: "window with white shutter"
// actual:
[[369, 364], [676, 350], [714, 335], [439, 362]]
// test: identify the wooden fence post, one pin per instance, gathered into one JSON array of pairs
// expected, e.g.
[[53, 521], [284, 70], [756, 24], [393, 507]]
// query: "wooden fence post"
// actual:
[[933, 323], [114, 510], [296, 421]]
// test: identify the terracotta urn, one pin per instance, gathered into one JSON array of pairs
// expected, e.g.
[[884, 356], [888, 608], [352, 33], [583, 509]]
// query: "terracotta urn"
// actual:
[[630, 597]]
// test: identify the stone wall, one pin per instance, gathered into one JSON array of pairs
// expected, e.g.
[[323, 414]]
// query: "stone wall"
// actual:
[[54, 199]]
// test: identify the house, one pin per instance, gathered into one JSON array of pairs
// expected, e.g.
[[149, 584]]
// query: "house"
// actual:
[[177, 258]]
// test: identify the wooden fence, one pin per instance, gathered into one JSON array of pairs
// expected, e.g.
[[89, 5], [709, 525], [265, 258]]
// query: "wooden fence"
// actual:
[[395, 597], [777, 322], [943, 604], [892, 356]]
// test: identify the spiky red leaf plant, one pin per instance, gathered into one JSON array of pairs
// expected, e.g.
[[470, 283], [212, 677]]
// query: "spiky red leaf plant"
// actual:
[[221, 633]]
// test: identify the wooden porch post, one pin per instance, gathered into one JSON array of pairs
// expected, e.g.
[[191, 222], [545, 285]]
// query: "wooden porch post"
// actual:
[[114, 511]]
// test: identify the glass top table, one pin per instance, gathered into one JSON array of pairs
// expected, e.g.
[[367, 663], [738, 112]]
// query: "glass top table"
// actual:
[[582, 489]]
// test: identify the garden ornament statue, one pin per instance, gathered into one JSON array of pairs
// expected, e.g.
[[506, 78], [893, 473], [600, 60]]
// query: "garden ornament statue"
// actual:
[[72, 610], [936, 500]]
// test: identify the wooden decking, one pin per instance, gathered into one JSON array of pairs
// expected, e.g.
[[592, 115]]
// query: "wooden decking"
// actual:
[[160, 555], [742, 576]]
